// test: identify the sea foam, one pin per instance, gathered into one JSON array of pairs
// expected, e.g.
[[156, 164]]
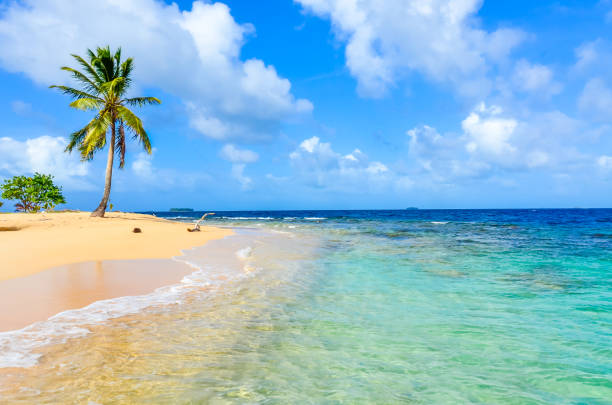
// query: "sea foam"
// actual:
[[20, 348]]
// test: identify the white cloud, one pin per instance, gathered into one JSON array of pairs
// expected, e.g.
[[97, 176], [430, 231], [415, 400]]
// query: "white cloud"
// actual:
[[235, 155], [239, 159], [194, 55], [605, 162], [386, 40], [238, 174], [442, 158], [495, 144], [596, 100], [488, 132], [143, 166], [586, 55], [593, 57], [46, 155], [538, 78], [318, 165]]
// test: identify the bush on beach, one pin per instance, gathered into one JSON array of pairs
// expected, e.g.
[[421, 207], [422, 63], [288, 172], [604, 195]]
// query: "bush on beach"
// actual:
[[32, 193]]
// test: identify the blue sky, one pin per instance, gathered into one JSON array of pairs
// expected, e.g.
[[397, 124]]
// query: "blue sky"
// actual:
[[323, 104]]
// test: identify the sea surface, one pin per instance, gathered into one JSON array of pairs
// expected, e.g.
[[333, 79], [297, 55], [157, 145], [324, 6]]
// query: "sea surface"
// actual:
[[334, 307]]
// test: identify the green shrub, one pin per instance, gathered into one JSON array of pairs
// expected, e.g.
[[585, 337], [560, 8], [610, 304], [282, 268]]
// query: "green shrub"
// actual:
[[32, 193]]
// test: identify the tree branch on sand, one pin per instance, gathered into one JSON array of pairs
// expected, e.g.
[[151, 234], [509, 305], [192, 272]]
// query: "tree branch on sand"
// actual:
[[196, 227]]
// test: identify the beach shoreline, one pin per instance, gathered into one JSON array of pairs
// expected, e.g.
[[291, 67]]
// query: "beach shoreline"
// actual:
[[30, 243], [53, 262], [40, 296]]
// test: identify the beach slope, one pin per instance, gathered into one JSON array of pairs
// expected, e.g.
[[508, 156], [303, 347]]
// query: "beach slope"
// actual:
[[30, 243]]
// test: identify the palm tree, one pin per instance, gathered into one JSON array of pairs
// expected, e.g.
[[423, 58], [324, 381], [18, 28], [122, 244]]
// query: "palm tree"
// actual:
[[103, 84]]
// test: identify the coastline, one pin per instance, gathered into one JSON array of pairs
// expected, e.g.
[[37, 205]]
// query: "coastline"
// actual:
[[40, 296], [48, 308], [30, 243], [291, 309], [54, 262]]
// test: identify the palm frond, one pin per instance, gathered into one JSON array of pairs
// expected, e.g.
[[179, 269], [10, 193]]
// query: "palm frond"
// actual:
[[126, 69], [88, 68], [86, 104], [103, 80], [76, 137], [91, 54], [141, 101], [114, 88], [117, 62], [87, 83], [104, 63], [135, 125], [95, 139], [74, 93]]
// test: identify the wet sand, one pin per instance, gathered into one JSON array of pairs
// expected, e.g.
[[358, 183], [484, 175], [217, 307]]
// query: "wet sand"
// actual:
[[53, 262], [39, 296]]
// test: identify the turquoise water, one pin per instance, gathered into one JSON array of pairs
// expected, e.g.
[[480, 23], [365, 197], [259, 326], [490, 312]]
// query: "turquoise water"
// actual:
[[434, 307]]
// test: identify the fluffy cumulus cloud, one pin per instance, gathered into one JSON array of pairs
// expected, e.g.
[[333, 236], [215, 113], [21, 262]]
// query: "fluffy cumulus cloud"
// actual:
[[196, 57], [386, 40], [44, 154], [239, 158], [488, 132], [318, 165], [493, 142]]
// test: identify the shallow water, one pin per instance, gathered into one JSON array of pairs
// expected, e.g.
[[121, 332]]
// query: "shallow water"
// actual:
[[359, 307]]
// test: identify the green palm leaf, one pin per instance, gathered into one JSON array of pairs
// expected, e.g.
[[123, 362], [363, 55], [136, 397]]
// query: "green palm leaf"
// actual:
[[141, 101], [95, 139], [74, 93], [114, 88], [89, 85], [88, 68], [76, 138], [135, 125], [86, 104], [104, 82]]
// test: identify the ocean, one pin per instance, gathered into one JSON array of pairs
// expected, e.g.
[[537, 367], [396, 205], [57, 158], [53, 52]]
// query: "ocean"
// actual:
[[334, 307]]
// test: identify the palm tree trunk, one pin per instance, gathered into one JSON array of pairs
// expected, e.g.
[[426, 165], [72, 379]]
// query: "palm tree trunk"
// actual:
[[99, 212]]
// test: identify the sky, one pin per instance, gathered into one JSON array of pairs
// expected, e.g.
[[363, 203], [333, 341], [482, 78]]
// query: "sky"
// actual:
[[324, 104]]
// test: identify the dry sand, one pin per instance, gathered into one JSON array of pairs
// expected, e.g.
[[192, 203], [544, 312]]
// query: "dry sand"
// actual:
[[30, 243], [86, 260]]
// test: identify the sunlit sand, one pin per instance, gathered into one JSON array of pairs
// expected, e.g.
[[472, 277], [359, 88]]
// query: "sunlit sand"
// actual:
[[34, 242]]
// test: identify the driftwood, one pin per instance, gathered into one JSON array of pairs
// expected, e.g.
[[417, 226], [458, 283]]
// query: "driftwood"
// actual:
[[196, 226]]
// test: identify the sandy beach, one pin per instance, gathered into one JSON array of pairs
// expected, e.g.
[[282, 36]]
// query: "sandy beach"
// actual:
[[30, 243], [57, 261]]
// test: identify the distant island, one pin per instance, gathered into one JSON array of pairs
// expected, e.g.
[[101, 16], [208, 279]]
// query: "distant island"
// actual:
[[412, 208], [181, 209]]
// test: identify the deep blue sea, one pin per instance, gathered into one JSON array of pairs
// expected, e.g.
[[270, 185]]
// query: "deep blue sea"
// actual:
[[383, 307]]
